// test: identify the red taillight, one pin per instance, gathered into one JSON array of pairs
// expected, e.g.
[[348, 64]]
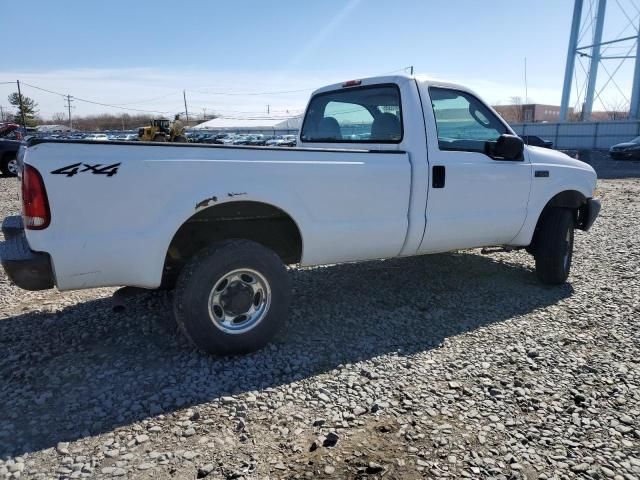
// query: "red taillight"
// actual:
[[35, 205], [351, 83]]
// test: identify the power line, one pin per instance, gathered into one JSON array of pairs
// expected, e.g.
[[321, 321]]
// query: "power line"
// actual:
[[94, 102], [279, 92], [248, 94]]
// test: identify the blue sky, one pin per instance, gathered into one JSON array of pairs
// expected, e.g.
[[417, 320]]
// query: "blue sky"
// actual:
[[142, 54]]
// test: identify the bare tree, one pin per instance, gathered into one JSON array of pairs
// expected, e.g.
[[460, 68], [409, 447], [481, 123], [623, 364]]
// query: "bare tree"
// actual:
[[512, 112], [617, 109], [104, 121], [516, 109]]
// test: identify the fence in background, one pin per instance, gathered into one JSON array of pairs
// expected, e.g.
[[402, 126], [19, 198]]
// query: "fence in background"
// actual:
[[582, 135]]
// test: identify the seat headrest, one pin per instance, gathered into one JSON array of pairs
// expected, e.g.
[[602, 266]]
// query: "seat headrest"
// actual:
[[386, 126], [329, 128]]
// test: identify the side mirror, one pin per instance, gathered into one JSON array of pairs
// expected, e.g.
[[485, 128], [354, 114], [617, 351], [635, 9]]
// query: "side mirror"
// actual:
[[507, 147]]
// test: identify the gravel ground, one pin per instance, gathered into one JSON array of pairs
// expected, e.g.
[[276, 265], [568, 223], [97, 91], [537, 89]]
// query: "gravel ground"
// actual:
[[456, 365]]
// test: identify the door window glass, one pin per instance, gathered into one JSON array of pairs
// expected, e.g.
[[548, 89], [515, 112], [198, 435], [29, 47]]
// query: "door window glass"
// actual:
[[463, 122]]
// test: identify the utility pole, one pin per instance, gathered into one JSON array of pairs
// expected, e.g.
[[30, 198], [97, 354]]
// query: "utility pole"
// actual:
[[526, 88], [411, 67], [1, 114], [268, 109], [24, 123], [186, 110], [68, 105]]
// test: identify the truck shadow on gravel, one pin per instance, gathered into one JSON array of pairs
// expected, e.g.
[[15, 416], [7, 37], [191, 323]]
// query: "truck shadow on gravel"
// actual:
[[85, 370]]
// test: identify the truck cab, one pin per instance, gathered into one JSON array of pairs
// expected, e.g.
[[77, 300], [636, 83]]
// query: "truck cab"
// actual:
[[460, 150]]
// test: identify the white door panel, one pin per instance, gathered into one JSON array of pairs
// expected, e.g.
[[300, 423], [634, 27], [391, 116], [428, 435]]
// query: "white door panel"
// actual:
[[483, 202], [480, 200]]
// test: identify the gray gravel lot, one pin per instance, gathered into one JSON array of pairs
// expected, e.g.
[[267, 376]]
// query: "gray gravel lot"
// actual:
[[456, 365]]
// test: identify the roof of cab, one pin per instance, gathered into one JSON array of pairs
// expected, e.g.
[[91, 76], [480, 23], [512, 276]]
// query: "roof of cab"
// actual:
[[398, 79]]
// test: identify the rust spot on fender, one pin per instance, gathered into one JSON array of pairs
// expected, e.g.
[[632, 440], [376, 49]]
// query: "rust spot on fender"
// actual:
[[206, 202]]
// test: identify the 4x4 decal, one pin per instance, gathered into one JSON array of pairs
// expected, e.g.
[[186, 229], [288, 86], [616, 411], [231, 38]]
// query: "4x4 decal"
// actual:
[[96, 169]]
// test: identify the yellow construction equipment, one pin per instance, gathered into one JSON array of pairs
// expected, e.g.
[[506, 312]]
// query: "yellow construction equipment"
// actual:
[[162, 130], [158, 131]]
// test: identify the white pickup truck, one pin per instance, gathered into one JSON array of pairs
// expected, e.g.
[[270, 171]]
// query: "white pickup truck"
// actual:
[[387, 166]]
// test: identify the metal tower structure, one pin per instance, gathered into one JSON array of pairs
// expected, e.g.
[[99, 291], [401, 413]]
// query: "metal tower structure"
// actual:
[[587, 26]]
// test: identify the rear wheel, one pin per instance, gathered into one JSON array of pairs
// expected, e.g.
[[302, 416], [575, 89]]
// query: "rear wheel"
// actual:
[[554, 246], [232, 297], [160, 137]]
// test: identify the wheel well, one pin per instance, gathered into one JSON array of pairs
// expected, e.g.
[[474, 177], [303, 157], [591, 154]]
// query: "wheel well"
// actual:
[[257, 221], [567, 199], [570, 199]]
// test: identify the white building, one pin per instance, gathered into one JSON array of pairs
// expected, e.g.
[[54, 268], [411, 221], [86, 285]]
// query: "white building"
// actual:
[[267, 125]]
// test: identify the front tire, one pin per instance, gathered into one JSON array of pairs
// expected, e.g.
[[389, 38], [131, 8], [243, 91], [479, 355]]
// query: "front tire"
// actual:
[[232, 297], [554, 246]]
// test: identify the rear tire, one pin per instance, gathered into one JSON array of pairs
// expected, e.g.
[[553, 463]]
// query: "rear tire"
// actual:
[[232, 297], [554, 246]]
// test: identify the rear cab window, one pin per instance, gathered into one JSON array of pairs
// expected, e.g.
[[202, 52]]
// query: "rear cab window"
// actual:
[[369, 114]]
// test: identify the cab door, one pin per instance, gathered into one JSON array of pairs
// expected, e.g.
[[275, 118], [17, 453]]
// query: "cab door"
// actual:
[[474, 200]]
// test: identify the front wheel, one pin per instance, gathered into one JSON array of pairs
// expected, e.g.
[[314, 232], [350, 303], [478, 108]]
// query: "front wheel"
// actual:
[[554, 246], [232, 297]]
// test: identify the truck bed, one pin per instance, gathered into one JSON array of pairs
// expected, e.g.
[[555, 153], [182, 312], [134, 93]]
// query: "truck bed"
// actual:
[[125, 201]]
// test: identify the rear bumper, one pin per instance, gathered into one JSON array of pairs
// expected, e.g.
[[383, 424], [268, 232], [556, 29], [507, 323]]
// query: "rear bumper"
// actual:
[[27, 269]]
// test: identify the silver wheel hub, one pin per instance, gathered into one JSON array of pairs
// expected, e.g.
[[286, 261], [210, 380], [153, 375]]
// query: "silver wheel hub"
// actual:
[[239, 301], [12, 166]]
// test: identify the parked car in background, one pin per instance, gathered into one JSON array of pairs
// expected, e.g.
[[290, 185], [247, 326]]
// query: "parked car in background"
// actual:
[[626, 151], [8, 156], [240, 139], [282, 141], [256, 140], [536, 141], [98, 137], [226, 139], [126, 137], [10, 140]]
